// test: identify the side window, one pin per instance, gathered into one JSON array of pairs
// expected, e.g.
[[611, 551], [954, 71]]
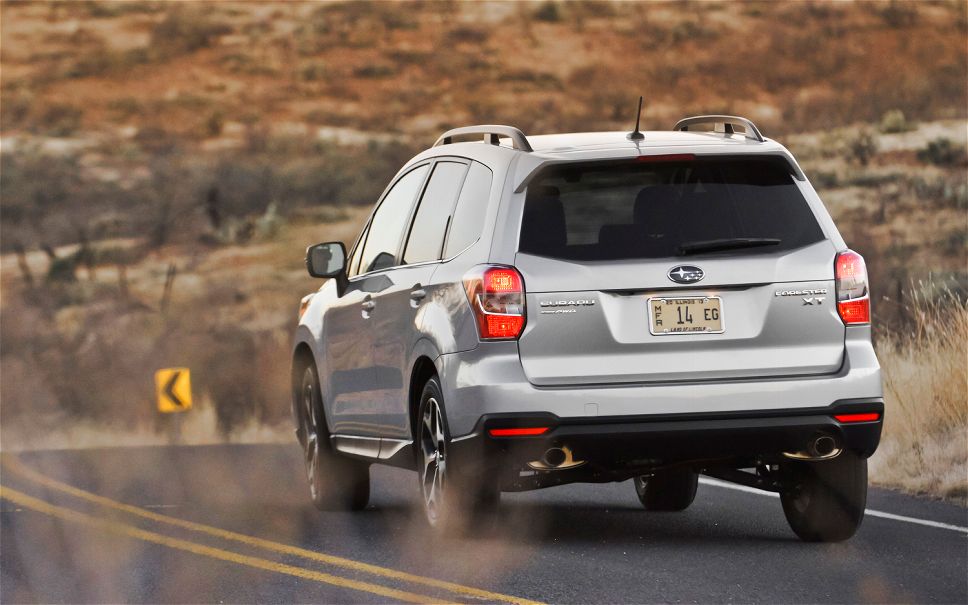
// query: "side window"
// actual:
[[427, 234], [389, 222], [465, 228], [353, 267]]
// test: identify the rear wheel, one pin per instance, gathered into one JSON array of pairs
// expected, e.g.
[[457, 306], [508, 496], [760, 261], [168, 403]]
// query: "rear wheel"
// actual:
[[335, 482], [671, 490], [824, 501], [455, 500]]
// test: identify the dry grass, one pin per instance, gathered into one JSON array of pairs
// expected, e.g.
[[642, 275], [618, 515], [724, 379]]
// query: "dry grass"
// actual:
[[924, 448]]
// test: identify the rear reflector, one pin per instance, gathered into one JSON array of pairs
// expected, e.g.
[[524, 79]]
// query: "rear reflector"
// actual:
[[536, 430], [863, 417]]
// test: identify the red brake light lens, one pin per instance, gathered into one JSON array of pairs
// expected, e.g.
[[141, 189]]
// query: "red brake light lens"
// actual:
[[496, 295], [853, 294], [863, 417], [501, 280]]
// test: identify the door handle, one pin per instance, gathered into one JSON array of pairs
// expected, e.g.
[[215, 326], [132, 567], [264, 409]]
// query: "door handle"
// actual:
[[418, 294], [368, 305]]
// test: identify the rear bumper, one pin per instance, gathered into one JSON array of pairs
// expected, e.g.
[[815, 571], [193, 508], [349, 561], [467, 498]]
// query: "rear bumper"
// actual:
[[616, 448], [489, 380]]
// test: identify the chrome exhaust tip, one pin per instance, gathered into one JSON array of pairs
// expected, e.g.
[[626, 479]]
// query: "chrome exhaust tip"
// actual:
[[556, 459], [821, 447]]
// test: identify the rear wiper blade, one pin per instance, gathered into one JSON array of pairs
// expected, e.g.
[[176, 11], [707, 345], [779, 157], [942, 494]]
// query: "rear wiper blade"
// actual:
[[734, 243]]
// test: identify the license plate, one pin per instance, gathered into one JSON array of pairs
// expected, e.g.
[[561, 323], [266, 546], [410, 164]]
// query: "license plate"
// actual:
[[686, 315]]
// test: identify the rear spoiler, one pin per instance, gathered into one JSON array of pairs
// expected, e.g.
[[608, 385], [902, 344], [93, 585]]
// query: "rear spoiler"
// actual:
[[531, 169]]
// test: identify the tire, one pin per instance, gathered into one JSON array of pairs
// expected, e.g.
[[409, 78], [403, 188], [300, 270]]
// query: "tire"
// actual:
[[456, 501], [825, 501], [335, 482], [667, 490]]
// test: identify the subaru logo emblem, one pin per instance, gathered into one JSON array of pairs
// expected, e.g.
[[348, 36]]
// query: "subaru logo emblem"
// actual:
[[686, 274]]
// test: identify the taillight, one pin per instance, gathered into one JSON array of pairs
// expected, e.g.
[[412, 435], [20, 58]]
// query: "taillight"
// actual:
[[496, 295], [853, 295]]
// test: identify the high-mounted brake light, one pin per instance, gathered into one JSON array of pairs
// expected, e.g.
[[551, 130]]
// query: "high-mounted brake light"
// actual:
[[496, 295], [862, 417], [669, 157], [522, 432], [853, 294]]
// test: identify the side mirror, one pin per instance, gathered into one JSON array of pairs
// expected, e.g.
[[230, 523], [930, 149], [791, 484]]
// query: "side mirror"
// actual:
[[326, 260]]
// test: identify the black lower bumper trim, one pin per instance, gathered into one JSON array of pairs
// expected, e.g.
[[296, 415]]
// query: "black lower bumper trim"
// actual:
[[616, 446]]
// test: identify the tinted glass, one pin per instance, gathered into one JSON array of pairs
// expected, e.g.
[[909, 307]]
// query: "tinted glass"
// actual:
[[468, 219], [653, 210], [430, 223], [389, 222]]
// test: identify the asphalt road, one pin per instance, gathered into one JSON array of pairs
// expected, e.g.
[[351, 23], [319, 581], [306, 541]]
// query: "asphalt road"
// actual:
[[234, 524]]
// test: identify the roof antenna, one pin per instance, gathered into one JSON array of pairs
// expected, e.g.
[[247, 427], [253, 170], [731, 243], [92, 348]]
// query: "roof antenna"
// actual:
[[635, 135]]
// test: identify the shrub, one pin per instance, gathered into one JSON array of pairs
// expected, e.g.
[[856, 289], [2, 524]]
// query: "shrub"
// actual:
[[214, 123], [61, 119], [375, 70], [923, 448], [313, 72], [861, 147], [893, 121], [185, 30], [548, 12], [942, 152], [898, 14], [468, 35], [126, 107]]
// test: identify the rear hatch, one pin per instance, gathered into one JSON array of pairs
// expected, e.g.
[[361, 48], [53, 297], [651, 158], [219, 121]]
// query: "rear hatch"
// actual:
[[710, 268]]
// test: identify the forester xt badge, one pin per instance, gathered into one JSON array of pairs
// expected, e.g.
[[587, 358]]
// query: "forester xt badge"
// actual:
[[686, 274], [809, 297]]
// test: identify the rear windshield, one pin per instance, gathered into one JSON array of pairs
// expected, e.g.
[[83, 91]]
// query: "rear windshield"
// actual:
[[659, 209]]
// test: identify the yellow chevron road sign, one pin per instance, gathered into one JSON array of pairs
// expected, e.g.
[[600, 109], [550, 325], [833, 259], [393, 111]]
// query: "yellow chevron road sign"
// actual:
[[174, 388]]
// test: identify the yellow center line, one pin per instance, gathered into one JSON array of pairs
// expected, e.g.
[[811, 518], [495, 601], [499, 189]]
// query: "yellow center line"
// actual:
[[14, 465], [207, 551]]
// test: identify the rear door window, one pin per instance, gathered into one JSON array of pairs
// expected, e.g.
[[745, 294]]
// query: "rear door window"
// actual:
[[468, 220], [625, 210], [430, 223], [386, 230]]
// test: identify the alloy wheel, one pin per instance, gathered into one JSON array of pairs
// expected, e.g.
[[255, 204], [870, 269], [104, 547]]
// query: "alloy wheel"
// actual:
[[433, 447], [311, 427]]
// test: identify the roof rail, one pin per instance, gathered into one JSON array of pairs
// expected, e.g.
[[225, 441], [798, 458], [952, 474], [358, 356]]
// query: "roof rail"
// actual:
[[491, 134], [728, 122]]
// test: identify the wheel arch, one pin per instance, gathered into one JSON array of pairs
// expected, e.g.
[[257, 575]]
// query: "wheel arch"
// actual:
[[302, 357], [423, 370]]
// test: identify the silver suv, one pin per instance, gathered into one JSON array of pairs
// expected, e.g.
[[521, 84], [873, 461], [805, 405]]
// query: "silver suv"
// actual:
[[525, 312]]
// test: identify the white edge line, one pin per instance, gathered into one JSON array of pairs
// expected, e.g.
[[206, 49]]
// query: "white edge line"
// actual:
[[868, 512]]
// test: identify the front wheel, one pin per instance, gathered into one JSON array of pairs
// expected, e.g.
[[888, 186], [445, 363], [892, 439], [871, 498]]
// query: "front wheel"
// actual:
[[335, 482], [824, 501], [670, 490]]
